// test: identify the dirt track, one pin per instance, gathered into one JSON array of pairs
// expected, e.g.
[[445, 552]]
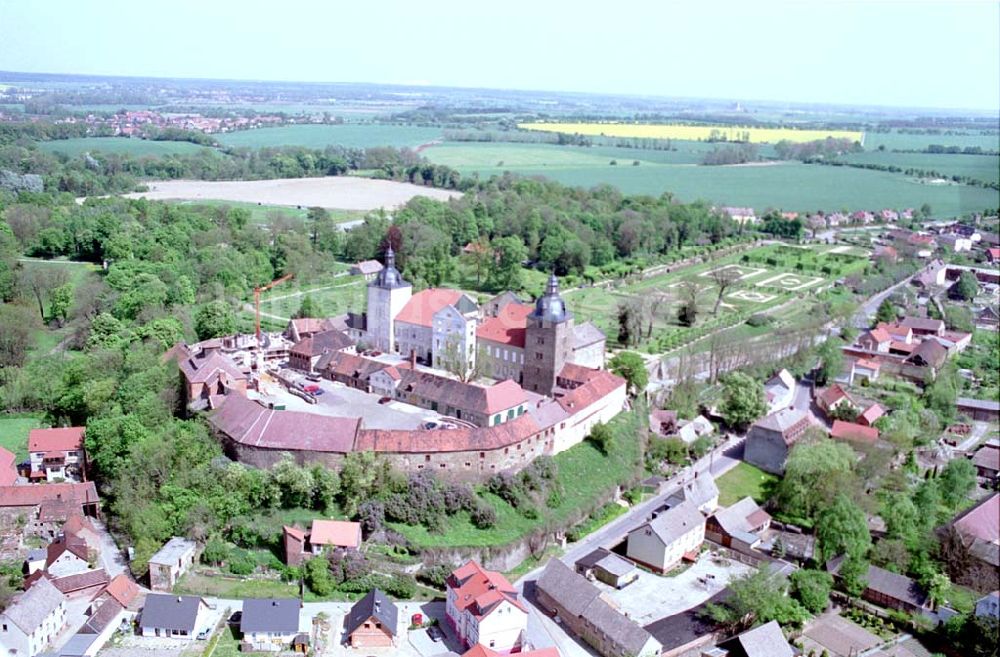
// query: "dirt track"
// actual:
[[339, 192]]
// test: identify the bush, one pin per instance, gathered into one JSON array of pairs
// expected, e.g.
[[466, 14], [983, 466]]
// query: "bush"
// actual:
[[760, 319], [317, 576], [401, 587], [241, 562], [436, 575], [484, 516]]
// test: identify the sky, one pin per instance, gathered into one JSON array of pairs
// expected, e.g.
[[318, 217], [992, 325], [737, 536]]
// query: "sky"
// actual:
[[902, 53]]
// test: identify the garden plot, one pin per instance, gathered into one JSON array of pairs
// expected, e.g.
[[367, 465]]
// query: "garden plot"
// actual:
[[745, 272], [791, 282], [752, 296]]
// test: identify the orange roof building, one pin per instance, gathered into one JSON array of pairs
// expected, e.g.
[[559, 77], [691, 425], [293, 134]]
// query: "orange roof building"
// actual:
[[483, 607]]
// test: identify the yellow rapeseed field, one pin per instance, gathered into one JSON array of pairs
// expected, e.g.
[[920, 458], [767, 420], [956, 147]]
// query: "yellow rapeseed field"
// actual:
[[692, 132]]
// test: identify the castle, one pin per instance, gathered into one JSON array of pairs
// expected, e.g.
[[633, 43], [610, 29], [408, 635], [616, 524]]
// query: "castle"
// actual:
[[505, 339]]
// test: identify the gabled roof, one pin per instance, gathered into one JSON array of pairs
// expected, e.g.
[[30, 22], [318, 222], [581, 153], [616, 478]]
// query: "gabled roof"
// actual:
[[586, 334], [8, 469], [878, 335], [65, 439], [374, 605], [571, 591], [982, 521], [369, 266], [466, 396], [873, 413], [674, 523], [69, 494], [279, 615], [201, 368], [422, 306], [600, 385], [122, 589], [892, 585], [173, 550], [740, 518], [922, 324], [988, 458], [931, 352], [30, 609], [855, 432], [508, 327], [832, 395], [341, 533], [701, 490], [321, 343], [249, 423], [106, 613], [766, 640], [981, 404], [171, 612], [786, 421], [480, 591]]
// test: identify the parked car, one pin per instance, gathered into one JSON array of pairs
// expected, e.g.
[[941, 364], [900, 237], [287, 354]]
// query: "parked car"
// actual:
[[311, 388], [384, 400], [435, 633], [317, 393], [313, 377]]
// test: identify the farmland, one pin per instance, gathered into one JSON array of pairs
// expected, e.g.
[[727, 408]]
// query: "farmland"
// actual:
[[788, 185], [343, 192], [692, 132], [896, 140], [980, 167], [321, 136], [118, 145]]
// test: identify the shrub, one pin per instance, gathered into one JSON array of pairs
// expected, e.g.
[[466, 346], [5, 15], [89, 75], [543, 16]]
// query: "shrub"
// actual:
[[241, 562], [436, 574], [484, 516], [759, 319], [402, 587]]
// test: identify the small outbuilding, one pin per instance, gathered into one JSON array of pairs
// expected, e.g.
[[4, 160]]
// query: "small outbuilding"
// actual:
[[608, 567]]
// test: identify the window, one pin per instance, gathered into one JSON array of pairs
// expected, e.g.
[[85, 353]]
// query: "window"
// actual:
[[427, 457], [496, 419], [539, 355], [539, 340]]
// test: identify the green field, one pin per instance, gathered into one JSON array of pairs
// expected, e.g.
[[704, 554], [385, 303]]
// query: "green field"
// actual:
[[744, 480], [790, 186], [321, 136], [261, 214], [14, 433], [346, 294], [980, 167], [902, 141], [119, 145]]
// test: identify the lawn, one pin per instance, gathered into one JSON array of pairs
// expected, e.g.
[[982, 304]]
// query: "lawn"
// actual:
[[345, 294], [120, 145], [744, 480], [356, 135], [585, 475], [14, 433], [788, 185]]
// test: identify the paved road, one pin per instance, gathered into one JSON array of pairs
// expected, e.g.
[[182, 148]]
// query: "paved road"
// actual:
[[865, 315], [543, 631]]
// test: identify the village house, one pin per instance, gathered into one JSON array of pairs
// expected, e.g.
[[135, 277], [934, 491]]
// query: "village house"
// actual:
[[765, 640], [833, 398], [987, 318], [887, 589], [979, 528], [207, 373], [323, 535], [606, 566], [367, 268], [674, 534], [701, 492], [57, 454], [45, 507], [771, 438], [579, 606], [739, 526], [481, 606], [171, 562], [740, 215], [300, 328], [176, 617], [683, 633], [871, 415], [484, 406], [372, 622], [112, 608], [854, 433], [980, 410], [479, 650], [695, 429], [269, 624], [987, 462], [780, 391], [306, 353], [32, 620]]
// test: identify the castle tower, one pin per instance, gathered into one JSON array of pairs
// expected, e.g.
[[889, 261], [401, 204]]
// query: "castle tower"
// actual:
[[548, 343], [387, 295]]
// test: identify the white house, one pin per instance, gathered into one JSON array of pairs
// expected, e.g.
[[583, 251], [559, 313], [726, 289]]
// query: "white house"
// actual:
[[57, 454], [170, 616], [171, 562], [32, 620], [483, 608], [663, 541], [270, 625], [780, 391]]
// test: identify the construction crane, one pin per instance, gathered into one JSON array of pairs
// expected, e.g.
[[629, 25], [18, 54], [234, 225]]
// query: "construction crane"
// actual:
[[256, 302]]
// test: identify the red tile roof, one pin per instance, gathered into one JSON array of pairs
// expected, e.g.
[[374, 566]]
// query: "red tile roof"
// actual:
[[341, 533], [872, 413], [199, 369], [249, 423], [320, 343], [832, 395], [509, 327], [466, 396], [854, 432], [902, 346], [922, 324], [64, 439], [480, 591], [73, 494], [421, 307], [994, 254], [8, 469], [880, 335], [122, 589], [577, 373], [296, 533], [601, 384]]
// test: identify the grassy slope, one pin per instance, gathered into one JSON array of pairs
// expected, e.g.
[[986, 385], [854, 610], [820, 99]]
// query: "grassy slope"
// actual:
[[585, 474], [14, 434], [320, 136], [744, 480]]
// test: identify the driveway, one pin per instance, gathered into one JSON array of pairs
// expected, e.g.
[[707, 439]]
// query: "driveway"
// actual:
[[652, 597]]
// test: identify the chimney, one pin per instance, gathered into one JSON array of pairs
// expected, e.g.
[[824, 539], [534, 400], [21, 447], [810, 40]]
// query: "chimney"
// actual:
[[413, 359]]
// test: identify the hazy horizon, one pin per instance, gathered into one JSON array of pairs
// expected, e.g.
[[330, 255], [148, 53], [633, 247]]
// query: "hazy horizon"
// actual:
[[889, 54]]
